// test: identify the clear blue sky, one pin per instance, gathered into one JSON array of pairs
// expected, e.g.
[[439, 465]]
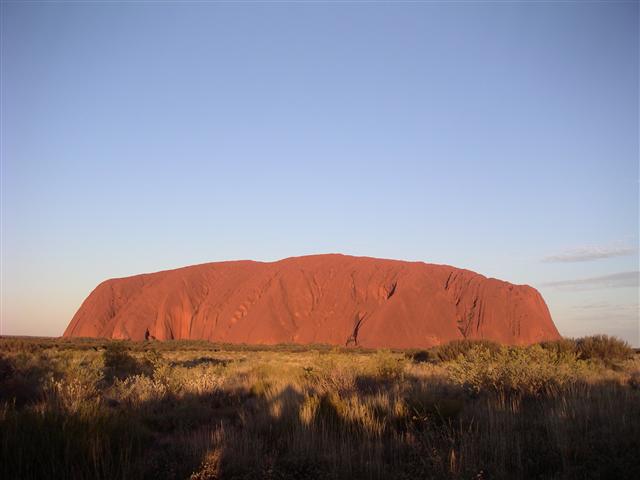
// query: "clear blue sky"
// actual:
[[499, 137]]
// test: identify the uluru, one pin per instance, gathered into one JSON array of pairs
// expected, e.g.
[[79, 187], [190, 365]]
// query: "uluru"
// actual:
[[325, 299]]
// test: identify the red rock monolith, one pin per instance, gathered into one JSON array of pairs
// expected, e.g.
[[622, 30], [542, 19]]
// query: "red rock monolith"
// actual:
[[330, 299]]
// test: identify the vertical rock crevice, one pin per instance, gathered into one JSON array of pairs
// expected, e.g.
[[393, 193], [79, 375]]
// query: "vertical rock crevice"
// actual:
[[352, 340], [392, 289]]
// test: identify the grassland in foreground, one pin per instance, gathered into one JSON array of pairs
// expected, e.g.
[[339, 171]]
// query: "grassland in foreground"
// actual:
[[100, 409]]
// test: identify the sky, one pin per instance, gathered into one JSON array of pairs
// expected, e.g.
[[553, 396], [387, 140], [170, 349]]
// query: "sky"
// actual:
[[500, 137]]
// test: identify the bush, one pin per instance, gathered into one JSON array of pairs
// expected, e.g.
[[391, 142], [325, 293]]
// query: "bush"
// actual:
[[79, 385], [6, 369], [564, 346], [22, 379], [118, 363], [138, 389], [420, 356], [389, 366], [603, 347], [330, 374], [514, 370], [423, 407], [452, 350]]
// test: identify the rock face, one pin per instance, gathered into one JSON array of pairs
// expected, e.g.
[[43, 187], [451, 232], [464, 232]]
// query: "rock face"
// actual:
[[333, 299]]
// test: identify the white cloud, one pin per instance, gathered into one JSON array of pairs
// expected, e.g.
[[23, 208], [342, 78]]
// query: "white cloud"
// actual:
[[610, 309], [590, 253], [614, 280]]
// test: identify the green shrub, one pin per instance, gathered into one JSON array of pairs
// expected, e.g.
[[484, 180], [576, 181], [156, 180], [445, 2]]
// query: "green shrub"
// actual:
[[423, 407], [330, 373], [118, 363], [564, 346], [521, 370], [6, 369], [22, 379], [603, 347], [419, 356], [452, 350], [78, 386], [388, 365]]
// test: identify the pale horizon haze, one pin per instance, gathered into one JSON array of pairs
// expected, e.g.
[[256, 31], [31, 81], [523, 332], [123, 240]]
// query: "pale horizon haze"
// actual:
[[501, 137]]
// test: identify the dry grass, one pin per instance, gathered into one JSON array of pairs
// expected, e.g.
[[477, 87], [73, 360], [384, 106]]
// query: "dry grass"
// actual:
[[98, 409]]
